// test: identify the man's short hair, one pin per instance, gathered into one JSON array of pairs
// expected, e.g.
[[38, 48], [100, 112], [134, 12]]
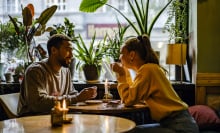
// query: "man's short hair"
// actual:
[[55, 41]]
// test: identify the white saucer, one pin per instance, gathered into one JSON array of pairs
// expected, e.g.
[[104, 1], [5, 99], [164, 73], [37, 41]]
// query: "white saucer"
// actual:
[[93, 101]]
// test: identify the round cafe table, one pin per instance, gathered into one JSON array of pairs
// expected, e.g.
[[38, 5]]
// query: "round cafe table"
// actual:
[[81, 123], [139, 113]]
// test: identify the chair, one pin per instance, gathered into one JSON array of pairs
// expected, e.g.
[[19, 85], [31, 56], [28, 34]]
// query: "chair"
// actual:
[[9, 103]]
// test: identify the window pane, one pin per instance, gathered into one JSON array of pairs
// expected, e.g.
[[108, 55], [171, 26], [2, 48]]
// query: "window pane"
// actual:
[[103, 20]]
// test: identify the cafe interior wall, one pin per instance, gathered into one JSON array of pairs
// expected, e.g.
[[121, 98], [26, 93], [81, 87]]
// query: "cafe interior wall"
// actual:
[[207, 45], [204, 37], [208, 36]]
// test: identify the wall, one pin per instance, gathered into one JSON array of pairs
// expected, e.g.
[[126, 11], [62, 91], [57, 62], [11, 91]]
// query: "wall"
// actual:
[[208, 54], [208, 36]]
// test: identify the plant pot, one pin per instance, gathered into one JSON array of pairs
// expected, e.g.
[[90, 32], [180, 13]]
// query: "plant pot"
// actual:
[[91, 72], [176, 54], [8, 77]]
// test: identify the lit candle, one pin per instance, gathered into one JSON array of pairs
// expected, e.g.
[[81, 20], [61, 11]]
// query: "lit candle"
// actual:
[[64, 104], [65, 109], [106, 86]]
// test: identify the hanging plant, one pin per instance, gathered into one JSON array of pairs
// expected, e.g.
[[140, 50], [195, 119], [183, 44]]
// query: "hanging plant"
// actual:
[[176, 24]]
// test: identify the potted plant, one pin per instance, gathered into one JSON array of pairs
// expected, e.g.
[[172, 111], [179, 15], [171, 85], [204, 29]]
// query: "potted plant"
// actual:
[[90, 58], [18, 73], [10, 41], [9, 44], [176, 26], [114, 43], [31, 27], [139, 9]]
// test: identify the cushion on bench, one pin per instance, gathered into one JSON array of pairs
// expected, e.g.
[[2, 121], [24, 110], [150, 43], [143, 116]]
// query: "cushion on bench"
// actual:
[[206, 117]]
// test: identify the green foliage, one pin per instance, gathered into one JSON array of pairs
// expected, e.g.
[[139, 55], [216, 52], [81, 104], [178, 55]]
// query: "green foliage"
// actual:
[[19, 70], [30, 27], [91, 55], [139, 9], [114, 43], [92, 5], [67, 29], [46, 15], [176, 24], [10, 40]]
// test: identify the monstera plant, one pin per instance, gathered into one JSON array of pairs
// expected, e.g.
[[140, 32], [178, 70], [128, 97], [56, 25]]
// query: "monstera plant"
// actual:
[[31, 27], [139, 9]]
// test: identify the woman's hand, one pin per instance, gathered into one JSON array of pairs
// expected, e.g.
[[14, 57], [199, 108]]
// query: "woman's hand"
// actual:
[[118, 68]]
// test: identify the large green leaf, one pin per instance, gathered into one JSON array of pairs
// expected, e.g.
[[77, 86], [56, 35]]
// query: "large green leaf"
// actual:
[[46, 15], [91, 5]]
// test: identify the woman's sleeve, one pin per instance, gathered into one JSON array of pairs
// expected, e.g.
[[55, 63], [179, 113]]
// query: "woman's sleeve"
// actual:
[[132, 93]]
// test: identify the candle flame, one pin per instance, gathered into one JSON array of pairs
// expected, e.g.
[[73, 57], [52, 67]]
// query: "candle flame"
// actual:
[[64, 104]]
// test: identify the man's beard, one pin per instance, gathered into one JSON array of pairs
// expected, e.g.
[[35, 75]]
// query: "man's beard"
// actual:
[[63, 63]]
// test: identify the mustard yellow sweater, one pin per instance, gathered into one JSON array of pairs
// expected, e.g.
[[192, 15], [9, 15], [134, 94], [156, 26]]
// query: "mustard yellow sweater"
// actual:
[[151, 86]]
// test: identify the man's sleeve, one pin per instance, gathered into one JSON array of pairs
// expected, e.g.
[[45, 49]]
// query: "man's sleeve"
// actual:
[[37, 95]]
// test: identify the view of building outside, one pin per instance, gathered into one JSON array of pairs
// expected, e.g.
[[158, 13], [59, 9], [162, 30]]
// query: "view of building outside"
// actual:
[[102, 21]]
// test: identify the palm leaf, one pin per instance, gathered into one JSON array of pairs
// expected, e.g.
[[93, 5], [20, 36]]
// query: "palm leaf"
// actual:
[[127, 19], [157, 16], [15, 25], [146, 17], [140, 13], [137, 14]]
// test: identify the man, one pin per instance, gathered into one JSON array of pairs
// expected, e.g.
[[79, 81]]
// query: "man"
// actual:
[[49, 79]]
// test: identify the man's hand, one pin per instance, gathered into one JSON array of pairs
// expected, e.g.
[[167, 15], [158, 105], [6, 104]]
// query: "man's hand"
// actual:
[[87, 93]]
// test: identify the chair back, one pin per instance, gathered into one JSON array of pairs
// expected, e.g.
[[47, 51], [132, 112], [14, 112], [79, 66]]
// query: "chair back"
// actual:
[[9, 103]]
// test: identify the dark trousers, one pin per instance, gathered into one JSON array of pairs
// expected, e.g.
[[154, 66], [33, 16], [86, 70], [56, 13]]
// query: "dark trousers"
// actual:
[[178, 122]]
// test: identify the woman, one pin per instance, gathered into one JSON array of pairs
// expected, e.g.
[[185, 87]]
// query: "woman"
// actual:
[[151, 86]]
